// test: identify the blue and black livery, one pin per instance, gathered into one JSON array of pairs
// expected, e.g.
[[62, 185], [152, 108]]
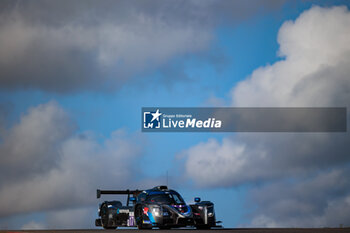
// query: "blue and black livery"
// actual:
[[157, 207]]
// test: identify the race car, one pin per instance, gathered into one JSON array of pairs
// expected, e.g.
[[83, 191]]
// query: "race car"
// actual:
[[157, 207]]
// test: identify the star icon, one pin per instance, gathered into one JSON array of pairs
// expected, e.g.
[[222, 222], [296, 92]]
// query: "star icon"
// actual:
[[156, 115]]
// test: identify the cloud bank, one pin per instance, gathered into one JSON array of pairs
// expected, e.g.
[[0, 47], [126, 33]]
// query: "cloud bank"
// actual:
[[301, 177], [101, 45], [47, 165]]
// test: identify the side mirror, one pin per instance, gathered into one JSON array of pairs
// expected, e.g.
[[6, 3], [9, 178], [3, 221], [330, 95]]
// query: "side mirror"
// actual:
[[197, 199], [132, 199]]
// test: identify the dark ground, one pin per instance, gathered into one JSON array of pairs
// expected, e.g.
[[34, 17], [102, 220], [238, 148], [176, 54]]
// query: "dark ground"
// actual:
[[226, 230]]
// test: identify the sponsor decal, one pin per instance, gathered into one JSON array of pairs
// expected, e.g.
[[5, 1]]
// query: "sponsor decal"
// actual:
[[145, 211], [123, 211]]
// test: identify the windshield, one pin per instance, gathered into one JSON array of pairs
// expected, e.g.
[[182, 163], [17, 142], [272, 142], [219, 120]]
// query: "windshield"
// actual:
[[170, 198]]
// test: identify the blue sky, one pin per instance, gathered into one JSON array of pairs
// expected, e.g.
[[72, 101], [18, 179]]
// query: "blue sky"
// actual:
[[185, 78]]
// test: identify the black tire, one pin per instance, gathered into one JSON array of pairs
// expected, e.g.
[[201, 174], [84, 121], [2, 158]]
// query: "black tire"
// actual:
[[98, 222], [205, 227], [139, 218], [104, 218]]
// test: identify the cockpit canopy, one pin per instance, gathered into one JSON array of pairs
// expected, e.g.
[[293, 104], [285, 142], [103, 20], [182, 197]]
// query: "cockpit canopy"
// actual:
[[161, 195], [165, 198]]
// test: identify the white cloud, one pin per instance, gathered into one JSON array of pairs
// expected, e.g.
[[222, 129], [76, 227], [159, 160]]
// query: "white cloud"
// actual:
[[313, 73], [211, 162], [317, 201], [75, 165], [314, 69], [34, 140]]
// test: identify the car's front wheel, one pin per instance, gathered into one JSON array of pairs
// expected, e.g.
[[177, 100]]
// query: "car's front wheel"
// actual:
[[139, 219]]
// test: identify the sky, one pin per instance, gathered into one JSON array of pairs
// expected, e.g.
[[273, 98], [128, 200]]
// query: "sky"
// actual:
[[74, 76]]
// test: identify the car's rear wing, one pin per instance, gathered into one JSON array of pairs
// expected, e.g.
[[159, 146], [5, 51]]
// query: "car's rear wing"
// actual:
[[128, 192]]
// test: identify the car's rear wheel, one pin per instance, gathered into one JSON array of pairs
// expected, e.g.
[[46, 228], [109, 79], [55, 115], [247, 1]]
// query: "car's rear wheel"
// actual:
[[104, 218]]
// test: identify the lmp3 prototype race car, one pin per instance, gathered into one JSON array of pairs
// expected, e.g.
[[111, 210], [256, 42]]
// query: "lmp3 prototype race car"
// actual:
[[157, 207]]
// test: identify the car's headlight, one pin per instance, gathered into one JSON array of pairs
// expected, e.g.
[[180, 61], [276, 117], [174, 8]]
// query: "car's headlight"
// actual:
[[157, 211], [200, 207]]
